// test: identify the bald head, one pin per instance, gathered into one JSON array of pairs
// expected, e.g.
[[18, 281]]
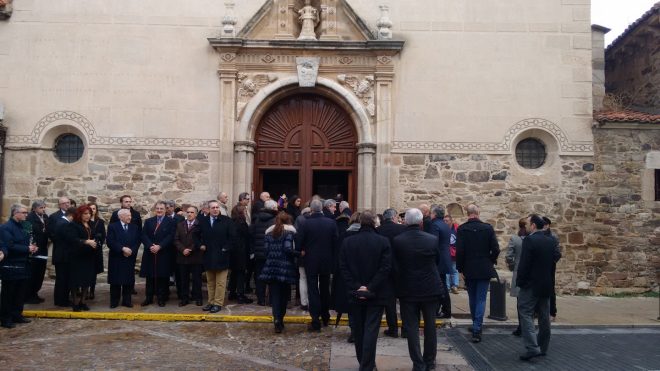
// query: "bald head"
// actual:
[[64, 203], [425, 209]]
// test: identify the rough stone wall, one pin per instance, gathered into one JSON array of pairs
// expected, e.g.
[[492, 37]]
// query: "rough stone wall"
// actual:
[[624, 251], [606, 234], [103, 175]]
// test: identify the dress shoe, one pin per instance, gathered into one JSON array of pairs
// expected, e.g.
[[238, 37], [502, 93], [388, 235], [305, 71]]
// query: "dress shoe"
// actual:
[[516, 332], [326, 321], [314, 328], [84, 307], [350, 339], [76, 308], [161, 303], [305, 308], [454, 290], [183, 303], [529, 355], [215, 309], [391, 333], [147, 302], [7, 324], [22, 320], [476, 337], [278, 327], [198, 302], [244, 300], [128, 305], [207, 307], [113, 306]]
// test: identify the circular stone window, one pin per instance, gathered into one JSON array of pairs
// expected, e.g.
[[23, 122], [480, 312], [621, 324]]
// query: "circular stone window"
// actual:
[[69, 148], [530, 153]]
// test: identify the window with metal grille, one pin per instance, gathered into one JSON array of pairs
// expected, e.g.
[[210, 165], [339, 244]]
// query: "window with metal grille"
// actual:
[[657, 184], [69, 148], [530, 153]]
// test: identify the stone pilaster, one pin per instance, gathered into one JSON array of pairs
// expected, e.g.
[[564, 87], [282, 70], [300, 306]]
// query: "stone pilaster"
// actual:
[[383, 135], [243, 166], [329, 20], [228, 80], [366, 156], [285, 19]]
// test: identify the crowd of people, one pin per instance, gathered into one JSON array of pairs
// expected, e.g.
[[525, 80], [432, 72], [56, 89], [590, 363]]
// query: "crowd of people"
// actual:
[[358, 263]]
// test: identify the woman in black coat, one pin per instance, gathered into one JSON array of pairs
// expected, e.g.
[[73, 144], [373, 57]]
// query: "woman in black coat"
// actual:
[[293, 207], [79, 237], [98, 233], [240, 256]]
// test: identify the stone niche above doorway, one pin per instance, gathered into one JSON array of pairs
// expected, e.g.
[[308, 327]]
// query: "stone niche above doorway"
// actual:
[[276, 54]]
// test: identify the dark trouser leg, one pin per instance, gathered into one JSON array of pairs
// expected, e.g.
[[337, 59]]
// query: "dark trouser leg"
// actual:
[[162, 288], [543, 337], [410, 317], [390, 315], [553, 304], [177, 280], [430, 337], [150, 288], [526, 306], [324, 293], [279, 294], [61, 294], [115, 292], [12, 299], [314, 299], [37, 271], [372, 317], [358, 317], [126, 292], [184, 287], [260, 286], [239, 277], [196, 273], [445, 302]]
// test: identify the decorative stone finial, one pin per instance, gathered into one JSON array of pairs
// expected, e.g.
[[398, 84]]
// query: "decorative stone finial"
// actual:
[[384, 23], [229, 21]]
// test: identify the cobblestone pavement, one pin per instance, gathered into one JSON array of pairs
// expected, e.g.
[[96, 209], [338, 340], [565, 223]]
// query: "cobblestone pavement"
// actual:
[[103, 344], [570, 349]]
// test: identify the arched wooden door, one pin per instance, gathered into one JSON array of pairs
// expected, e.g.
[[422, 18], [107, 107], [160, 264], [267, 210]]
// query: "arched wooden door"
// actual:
[[306, 144]]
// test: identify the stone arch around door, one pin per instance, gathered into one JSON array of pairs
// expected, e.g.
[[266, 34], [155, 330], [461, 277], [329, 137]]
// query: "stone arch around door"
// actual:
[[244, 144]]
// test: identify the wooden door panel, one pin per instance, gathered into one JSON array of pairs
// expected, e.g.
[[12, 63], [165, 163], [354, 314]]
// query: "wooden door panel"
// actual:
[[305, 131]]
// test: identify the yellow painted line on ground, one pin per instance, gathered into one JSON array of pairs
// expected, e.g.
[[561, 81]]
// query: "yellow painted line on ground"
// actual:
[[173, 317]]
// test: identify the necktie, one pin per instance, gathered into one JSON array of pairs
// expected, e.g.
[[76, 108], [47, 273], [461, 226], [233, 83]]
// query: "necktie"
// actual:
[[189, 225], [212, 220], [125, 227]]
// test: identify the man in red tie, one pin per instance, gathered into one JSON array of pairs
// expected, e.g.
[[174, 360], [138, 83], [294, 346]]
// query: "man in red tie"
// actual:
[[189, 257]]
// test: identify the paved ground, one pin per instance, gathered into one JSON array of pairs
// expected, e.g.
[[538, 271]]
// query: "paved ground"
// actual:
[[570, 349]]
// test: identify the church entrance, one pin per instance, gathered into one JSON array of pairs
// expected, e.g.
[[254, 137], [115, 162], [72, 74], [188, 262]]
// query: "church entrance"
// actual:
[[306, 145]]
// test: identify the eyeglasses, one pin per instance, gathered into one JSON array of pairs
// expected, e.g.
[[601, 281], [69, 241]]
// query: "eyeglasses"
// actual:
[[21, 212]]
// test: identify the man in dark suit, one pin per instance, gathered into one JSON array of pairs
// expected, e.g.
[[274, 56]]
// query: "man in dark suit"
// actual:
[[536, 281], [39, 221], [189, 257], [218, 236], [126, 202], [170, 207], [158, 239], [61, 257], [418, 287], [365, 262], [476, 254], [390, 229], [123, 242], [441, 230], [318, 239], [55, 218]]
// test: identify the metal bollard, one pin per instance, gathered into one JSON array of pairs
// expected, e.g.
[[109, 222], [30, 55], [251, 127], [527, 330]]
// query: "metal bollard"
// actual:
[[498, 300]]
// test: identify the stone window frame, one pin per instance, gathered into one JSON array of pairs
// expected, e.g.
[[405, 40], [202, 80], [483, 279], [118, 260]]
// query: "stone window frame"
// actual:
[[649, 175], [66, 159], [551, 149], [50, 137]]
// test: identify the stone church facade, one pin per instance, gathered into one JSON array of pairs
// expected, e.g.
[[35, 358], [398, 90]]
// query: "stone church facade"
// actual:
[[418, 101]]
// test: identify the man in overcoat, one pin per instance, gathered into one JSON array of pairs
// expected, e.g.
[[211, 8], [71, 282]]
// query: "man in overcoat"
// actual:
[[126, 202], [61, 261], [390, 229], [536, 282], [318, 239], [14, 269], [418, 287], [158, 242], [218, 235], [123, 242], [39, 221], [189, 257], [476, 254], [365, 263], [441, 230]]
